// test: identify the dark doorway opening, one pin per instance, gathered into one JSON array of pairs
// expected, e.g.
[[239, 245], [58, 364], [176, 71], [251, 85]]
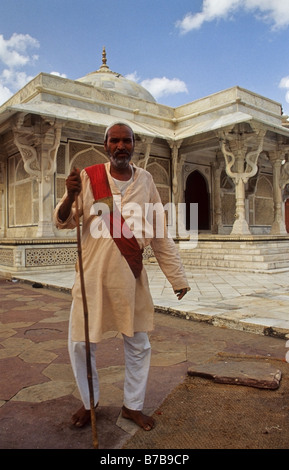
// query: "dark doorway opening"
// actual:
[[287, 215], [196, 192]]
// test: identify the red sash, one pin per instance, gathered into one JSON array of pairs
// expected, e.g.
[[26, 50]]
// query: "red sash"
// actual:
[[128, 247]]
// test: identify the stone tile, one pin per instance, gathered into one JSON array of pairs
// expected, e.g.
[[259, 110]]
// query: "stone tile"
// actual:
[[111, 374], [160, 345], [59, 372], [14, 346], [6, 332], [45, 391], [59, 316], [260, 321], [24, 375], [167, 358], [110, 395], [36, 354], [15, 325], [53, 344]]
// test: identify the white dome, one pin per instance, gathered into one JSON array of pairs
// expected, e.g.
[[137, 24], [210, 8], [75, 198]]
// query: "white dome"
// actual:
[[105, 78]]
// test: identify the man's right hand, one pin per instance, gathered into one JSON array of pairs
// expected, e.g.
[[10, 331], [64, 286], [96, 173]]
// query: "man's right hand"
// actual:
[[73, 184]]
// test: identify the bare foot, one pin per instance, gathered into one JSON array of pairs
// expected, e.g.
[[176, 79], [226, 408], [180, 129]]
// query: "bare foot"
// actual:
[[81, 417], [145, 422]]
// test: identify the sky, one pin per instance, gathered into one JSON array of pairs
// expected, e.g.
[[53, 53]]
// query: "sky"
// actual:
[[179, 50]]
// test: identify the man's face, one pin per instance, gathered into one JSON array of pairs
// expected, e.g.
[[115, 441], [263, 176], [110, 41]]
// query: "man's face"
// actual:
[[119, 146]]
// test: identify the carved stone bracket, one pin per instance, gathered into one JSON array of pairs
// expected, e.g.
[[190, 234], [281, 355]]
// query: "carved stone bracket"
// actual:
[[147, 141], [52, 149], [28, 152], [38, 144]]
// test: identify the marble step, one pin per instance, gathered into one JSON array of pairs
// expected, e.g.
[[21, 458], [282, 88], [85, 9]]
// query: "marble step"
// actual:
[[264, 256]]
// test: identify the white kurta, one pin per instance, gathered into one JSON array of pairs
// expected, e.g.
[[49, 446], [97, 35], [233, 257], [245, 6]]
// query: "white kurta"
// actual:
[[116, 300]]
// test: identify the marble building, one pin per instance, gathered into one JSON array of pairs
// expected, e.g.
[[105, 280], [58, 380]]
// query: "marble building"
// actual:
[[227, 152]]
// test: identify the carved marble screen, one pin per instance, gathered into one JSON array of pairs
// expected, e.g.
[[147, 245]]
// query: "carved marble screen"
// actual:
[[159, 168], [76, 154], [263, 201], [23, 195]]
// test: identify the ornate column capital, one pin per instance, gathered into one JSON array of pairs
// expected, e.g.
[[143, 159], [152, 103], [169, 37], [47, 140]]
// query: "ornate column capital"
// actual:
[[241, 164]]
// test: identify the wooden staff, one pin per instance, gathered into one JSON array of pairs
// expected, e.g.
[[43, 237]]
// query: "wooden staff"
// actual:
[[87, 343]]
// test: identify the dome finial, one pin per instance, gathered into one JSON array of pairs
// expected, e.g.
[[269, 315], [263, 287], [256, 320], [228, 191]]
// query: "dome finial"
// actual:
[[103, 56], [104, 67]]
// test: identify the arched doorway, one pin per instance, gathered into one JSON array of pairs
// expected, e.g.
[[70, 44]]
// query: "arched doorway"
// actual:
[[197, 192]]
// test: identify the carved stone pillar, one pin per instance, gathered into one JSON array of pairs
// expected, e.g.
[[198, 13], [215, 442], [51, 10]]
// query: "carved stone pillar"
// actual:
[[240, 226], [177, 164], [217, 167], [48, 149], [38, 145], [241, 165], [276, 157], [177, 182]]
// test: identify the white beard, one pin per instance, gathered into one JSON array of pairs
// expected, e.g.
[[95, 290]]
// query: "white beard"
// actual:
[[120, 162]]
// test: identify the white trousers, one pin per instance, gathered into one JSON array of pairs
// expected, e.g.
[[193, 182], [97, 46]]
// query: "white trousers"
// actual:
[[137, 351]]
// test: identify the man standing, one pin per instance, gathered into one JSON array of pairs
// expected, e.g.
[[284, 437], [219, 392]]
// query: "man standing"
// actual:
[[116, 283]]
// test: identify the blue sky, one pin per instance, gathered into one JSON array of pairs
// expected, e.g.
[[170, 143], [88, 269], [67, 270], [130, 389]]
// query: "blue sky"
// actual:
[[180, 50]]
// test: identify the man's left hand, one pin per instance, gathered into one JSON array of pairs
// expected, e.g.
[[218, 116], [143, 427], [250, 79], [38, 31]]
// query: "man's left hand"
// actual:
[[181, 292]]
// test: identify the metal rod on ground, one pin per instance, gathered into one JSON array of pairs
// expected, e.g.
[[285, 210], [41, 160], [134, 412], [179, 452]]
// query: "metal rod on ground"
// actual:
[[87, 343]]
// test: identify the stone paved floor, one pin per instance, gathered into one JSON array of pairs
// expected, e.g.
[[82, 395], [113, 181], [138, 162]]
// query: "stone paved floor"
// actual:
[[255, 302], [37, 390]]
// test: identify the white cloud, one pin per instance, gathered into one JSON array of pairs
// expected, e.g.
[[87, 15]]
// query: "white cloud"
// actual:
[[5, 94], [13, 51], [133, 76], [59, 74], [159, 87], [14, 78], [275, 12], [284, 83], [14, 55]]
